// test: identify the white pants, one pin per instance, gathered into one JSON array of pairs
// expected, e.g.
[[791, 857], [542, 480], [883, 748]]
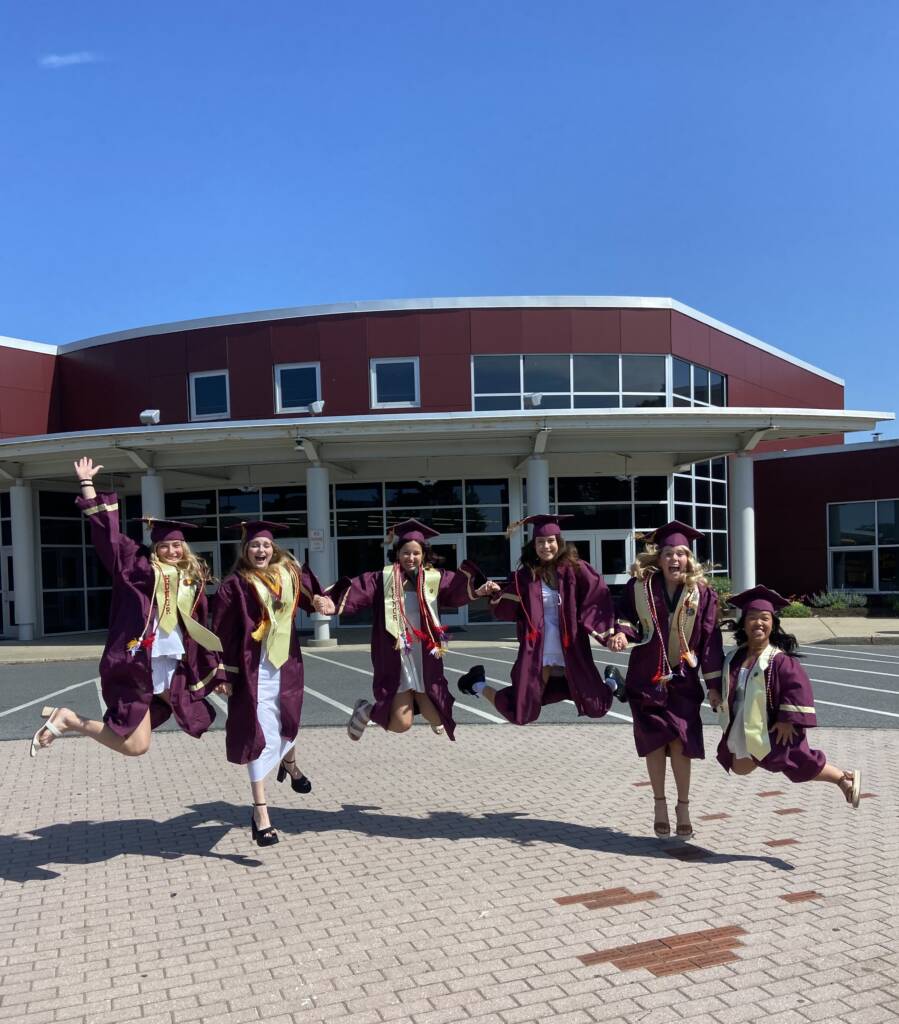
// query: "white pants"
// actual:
[[268, 714]]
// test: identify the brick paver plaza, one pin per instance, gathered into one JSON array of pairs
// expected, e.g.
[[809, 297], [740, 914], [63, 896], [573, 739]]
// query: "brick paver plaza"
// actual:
[[433, 882]]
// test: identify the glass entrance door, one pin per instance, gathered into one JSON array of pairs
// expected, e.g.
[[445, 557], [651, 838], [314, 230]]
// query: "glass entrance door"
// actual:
[[610, 552], [450, 551], [7, 595]]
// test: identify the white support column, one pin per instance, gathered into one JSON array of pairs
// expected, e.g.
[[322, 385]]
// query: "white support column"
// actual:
[[538, 486], [152, 498], [516, 511], [742, 520], [318, 514], [21, 502]]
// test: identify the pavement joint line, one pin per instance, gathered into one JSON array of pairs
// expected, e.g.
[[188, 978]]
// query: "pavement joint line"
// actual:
[[47, 696]]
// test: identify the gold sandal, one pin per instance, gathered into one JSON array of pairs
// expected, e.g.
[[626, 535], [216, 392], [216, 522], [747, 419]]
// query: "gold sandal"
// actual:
[[684, 830]]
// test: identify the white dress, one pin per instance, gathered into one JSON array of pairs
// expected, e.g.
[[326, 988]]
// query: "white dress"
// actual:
[[736, 738], [410, 661], [165, 655], [268, 714], [552, 642]]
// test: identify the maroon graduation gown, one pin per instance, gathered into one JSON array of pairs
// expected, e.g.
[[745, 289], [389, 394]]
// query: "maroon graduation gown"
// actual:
[[237, 612], [788, 687], [662, 715], [585, 610], [367, 591], [126, 680]]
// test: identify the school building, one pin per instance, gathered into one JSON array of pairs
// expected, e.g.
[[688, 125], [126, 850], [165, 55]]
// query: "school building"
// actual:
[[466, 413]]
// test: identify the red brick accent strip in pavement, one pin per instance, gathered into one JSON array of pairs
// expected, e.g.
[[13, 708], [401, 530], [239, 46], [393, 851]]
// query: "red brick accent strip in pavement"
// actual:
[[645, 782], [867, 796], [781, 842], [789, 810], [674, 954], [603, 898], [801, 897], [771, 792], [714, 817]]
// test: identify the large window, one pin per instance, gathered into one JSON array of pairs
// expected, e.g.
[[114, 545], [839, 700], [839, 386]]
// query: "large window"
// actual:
[[863, 545], [700, 501], [394, 383], [579, 381], [297, 386], [209, 395]]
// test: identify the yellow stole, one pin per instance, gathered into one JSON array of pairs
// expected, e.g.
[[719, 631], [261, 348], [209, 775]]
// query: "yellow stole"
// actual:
[[683, 616], [393, 615], [276, 627], [175, 598], [755, 702]]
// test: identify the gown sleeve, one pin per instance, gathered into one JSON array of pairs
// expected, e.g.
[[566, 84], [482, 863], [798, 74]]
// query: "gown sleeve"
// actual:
[[506, 605], [457, 587], [711, 646], [596, 613], [794, 699], [229, 626], [352, 595], [627, 620], [309, 588], [116, 550]]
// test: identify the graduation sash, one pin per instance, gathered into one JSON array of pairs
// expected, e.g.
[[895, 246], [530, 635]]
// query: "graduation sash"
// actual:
[[680, 623], [395, 601], [175, 598], [276, 627], [755, 702]]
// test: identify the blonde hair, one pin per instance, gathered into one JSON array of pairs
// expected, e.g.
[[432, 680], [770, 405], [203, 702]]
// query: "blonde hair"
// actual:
[[189, 565], [648, 562], [245, 568]]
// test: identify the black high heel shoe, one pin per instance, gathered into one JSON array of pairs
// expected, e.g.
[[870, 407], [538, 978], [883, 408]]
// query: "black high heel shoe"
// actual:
[[619, 690], [262, 836], [300, 785]]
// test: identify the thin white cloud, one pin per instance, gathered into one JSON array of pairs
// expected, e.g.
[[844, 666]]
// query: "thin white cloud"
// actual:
[[67, 60]]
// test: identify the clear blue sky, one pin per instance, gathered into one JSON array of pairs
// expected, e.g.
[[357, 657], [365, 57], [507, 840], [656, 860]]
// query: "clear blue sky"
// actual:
[[165, 161]]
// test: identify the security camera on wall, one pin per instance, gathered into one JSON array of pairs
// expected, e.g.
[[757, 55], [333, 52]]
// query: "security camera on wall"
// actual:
[[317, 408], [149, 417]]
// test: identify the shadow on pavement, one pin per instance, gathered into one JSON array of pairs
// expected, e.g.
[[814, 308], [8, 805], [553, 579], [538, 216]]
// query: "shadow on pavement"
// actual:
[[514, 826], [196, 833], [22, 857]]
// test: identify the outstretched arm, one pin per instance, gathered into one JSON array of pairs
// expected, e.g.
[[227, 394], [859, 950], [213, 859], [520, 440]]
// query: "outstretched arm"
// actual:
[[116, 550]]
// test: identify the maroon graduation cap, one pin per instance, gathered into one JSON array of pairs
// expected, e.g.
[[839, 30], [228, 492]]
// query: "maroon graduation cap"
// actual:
[[166, 529], [253, 528], [760, 599], [674, 534], [410, 529], [545, 526]]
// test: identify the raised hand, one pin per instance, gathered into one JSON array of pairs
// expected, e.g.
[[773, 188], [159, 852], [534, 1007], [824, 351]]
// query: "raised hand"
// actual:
[[85, 468]]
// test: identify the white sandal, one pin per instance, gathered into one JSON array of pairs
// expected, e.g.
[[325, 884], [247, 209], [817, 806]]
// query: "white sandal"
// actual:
[[46, 713], [438, 730], [853, 794], [355, 728]]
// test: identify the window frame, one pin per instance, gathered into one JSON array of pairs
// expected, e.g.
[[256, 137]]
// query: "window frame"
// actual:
[[872, 549], [201, 417], [278, 367], [377, 361]]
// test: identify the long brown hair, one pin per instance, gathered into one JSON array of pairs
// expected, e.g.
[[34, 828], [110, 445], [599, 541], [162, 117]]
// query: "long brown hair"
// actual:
[[244, 568], [567, 555], [648, 562]]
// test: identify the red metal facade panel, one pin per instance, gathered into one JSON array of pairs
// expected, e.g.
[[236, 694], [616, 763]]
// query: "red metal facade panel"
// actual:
[[26, 392], [94, 391], [791, 498]]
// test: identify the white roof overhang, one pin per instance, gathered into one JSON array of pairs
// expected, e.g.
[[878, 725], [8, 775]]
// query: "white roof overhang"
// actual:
[[429, 445]]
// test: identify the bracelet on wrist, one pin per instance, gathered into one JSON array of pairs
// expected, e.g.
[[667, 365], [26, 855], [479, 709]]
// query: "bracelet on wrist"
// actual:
[[86, 483]]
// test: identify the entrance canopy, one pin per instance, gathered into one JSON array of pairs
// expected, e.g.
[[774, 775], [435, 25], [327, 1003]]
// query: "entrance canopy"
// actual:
[[425, 445]]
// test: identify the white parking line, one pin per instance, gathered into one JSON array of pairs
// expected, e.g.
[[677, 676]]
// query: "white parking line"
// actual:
[[327, 700], [47, 696], [836, 652], [853, 686], [100, 700], [850, 707], [365, 672], [219, 703], [843, 668]]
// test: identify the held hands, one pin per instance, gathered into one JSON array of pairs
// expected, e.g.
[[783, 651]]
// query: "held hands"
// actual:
[[784, 732], [490, 587], [224, 689], [324, 605], [715, 699], [618, 642]]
